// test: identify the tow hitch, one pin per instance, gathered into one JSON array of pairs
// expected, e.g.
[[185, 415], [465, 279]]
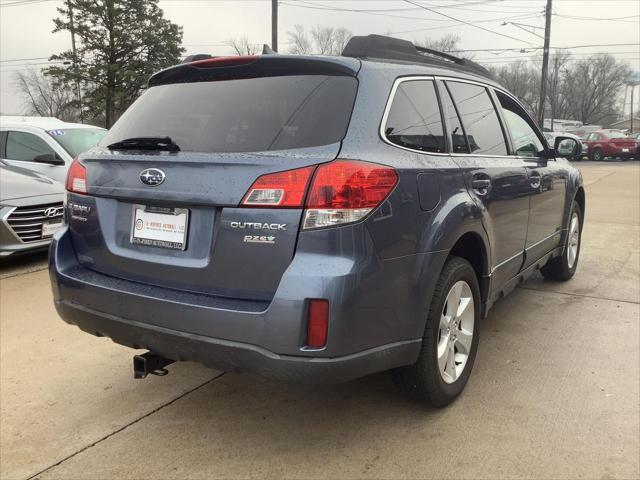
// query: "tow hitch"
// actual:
[[150, 363]]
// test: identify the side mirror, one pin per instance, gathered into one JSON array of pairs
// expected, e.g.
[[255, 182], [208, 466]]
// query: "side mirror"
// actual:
[[566, 147], [50, 158]]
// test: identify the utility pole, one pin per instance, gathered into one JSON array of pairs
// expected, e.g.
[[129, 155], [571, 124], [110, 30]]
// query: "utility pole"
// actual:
[[75, 60], [633, 87], [545, 63], [274, 25]]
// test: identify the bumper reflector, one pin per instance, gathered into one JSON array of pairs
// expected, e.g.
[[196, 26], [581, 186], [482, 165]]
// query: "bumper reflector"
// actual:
[[318, 323]]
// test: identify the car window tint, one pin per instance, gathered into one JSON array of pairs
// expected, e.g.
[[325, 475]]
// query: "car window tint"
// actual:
[[458, 140], [25, 146], [242, 115], [479, 118], [526, 142], [414, 119]]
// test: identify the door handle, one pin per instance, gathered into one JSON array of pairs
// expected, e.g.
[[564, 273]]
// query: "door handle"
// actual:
[[481, 186]]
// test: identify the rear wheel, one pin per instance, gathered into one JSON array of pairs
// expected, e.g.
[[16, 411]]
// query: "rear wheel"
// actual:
[[597, 155], [450, 339], [563, 268]]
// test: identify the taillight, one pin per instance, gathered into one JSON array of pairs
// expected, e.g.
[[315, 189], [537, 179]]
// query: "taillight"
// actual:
[[280, 189], [345, 191], [77, 177], [342, 191], [317, 323]]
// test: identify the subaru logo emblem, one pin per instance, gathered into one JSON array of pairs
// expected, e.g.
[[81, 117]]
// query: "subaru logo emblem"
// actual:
[[53, 211], [152, 177]]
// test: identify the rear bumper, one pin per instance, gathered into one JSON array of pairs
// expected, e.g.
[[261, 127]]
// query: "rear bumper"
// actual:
[[262, 337], [235, 356]]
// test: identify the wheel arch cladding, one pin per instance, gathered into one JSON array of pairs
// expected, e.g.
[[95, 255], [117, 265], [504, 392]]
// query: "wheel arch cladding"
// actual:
[[580, 199], [471, 247]]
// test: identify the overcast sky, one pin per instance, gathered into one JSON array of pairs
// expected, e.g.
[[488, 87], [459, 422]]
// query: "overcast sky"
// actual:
[[26, 38]]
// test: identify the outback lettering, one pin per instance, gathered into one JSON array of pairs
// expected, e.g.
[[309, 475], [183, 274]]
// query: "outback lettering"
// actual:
[[259, 226]]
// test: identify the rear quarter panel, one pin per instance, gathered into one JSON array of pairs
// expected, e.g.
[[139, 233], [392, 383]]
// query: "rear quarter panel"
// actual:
[[403, 228]]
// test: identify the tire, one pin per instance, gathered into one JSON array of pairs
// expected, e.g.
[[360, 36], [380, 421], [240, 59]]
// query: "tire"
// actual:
[[597, 155], [564, 267], [424, 381]]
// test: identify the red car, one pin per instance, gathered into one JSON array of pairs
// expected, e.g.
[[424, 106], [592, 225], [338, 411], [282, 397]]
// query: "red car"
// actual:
[[610, 143]]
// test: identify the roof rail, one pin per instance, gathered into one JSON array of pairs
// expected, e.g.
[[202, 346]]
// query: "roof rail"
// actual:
[[388, 48]]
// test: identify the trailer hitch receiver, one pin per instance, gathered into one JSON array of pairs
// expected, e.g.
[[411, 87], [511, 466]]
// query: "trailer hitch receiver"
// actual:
[[150, 363]]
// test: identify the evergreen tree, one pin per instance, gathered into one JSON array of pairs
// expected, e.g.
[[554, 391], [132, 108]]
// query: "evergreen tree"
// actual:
[[119, 44]]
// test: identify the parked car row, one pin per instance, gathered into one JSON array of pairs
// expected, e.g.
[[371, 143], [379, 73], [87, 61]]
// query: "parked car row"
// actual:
[[602, 144], [35, 155], [611, 144]]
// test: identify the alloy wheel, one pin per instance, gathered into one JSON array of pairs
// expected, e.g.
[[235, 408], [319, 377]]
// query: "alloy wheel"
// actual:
[[573, 243], [455, 336]]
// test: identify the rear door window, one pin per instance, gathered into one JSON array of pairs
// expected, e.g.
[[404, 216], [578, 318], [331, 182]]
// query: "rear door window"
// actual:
[[242, 115], [414, 119], [479, 118], [458, 139], [25, 146]]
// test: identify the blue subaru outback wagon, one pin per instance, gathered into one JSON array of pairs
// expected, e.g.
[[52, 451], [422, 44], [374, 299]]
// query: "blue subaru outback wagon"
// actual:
[[315, 218]]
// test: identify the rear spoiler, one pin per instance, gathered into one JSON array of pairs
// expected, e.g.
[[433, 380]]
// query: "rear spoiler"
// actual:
[[204, 68]]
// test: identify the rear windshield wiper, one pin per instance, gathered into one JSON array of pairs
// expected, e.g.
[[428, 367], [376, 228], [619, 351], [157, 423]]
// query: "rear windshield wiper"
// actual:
[[146, 143]]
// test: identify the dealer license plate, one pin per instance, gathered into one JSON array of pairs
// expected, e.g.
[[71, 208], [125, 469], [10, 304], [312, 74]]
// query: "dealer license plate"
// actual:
[[625, 150], [160, 227], [48, 229]]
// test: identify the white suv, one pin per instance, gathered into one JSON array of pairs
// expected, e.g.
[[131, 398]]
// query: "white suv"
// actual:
[[45, 144]]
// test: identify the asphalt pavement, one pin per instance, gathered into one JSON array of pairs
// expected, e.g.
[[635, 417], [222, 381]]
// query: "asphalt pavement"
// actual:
[[555, 391]]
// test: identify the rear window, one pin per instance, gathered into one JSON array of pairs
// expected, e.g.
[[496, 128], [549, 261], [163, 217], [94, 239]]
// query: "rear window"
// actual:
[[242, 115], [616, 135], [77, 140]]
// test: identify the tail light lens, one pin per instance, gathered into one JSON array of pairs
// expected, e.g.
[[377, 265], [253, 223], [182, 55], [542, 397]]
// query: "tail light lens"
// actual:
[[77, 177], [345, 191], [342, 191], [280, 189], [317, 323]]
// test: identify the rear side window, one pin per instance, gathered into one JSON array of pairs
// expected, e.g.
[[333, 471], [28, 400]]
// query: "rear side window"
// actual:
[[479, 118], [242, 115], [414, 119], [25, 146]]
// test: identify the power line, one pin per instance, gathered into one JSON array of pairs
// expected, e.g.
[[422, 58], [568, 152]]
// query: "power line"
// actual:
[[555, 48], [384, 12], [615, 19], [465, 22], [23, 59], [522, 57], [23, 2]]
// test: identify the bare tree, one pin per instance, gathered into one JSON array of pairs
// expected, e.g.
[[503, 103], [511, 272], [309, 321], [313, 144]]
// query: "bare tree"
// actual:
[[592, 88], [300, 43], [45, 97], [447, 43], [323, 40], [521, 79], [555, 85], [241, 46]]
